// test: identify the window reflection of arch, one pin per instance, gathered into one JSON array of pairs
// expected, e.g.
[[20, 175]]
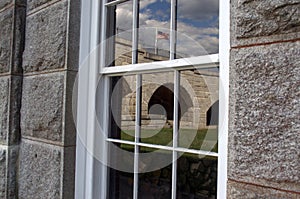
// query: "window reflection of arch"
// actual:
[[212, 114], [164, 96]]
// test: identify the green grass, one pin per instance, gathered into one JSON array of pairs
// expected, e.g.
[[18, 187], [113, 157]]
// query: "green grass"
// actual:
[[204, 139]]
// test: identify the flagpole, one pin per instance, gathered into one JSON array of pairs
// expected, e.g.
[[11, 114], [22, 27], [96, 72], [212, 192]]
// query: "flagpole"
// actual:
[[155, 41]]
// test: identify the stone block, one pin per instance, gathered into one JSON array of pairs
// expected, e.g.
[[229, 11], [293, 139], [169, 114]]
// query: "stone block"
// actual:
[[4, 3], [264, 115], [6, 30], [4, 101], [74, 34], [264, 21], [45, 47], [70, 104], [248, 191], [18, 40], [12, 22], [8, 171], [32, 4], [68, 176], [10, 105], [42, 106], [44, 170]]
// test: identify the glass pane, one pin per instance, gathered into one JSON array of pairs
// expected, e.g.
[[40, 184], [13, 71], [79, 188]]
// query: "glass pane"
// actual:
[[198, 109], [196, 177], [198, 28], [157, 108], [154, 24], [155, 184], [122, 106], [120, 175], [119, 34]]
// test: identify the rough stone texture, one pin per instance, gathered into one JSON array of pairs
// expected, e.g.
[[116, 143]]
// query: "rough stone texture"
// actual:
[[40, 170], [69, 137], [264, 115], [4, 96], [68, 176], [42, 106], [6, 24], [19, 39], [264, 21], [32, 4], [12, 39], [10, 105], [74, 35], [246, 191], [4, 3], [45, 46], [8, 171]]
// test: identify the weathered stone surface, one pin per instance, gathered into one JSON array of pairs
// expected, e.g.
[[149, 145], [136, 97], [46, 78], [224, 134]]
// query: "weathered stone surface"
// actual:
[[69, 137], [4, 3], [10, 104], [74, 34], [264, 115], [40, 170], [46, 171], [18, 41], [264, 21], [69, 172], [42, 106], [32, 4], [46, 39], [8, 171], [3, 172], [4, 96], [246, 191], [6, 24]]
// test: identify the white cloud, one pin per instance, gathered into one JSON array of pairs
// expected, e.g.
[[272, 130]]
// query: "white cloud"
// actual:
[[194, 40], [198, 9]]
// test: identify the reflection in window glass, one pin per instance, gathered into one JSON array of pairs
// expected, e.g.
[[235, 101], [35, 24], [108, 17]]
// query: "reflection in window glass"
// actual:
[[119, 34], [196, 177], [122, 105], [154, 24], [157, 108], [156, 184], [199, 94], [198, 28], [120, 184]]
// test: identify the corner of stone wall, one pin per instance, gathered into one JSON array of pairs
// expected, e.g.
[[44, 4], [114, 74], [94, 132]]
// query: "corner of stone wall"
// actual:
[[48, 134], [12, 16]]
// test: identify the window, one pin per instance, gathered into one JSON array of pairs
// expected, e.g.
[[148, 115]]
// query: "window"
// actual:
[[149, 100]]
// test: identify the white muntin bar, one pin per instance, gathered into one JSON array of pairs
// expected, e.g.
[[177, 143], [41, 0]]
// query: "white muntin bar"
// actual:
[[169, 148], [135, 26], [137, 134], [175, 131], [173, 28], [207, 61], [105, 129], [112, 3]]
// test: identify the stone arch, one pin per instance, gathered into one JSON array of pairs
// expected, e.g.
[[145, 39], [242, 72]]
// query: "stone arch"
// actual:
[[212, 114], [164, 96]]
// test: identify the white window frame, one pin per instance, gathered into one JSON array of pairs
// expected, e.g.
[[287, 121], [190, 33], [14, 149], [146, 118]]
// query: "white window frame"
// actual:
[[88, 179]]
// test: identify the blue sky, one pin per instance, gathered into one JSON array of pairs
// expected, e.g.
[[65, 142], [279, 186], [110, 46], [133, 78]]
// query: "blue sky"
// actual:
[[197, 19]]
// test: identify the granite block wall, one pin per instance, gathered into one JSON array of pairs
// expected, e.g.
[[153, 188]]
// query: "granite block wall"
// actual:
[[48, 135], [264, 129], [12, 15]]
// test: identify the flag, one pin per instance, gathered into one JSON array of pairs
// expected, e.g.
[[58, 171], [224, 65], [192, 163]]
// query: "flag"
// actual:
[[162, 35]]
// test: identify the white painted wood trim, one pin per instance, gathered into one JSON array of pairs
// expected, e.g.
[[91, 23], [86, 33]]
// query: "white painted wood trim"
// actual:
[[224, 49]]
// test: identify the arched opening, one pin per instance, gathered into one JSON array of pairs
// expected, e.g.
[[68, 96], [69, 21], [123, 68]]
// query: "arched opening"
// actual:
[[212, 114], [164, 96]]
